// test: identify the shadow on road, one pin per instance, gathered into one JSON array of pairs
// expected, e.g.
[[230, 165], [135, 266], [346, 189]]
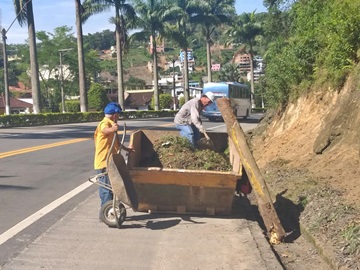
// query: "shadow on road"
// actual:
[[162, 224], [13, 187], [241, 209]]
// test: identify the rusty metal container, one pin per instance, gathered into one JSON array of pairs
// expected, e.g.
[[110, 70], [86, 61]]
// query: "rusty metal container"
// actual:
[[177, 190]]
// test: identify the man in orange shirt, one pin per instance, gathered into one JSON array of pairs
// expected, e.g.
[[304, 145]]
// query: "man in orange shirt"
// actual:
[[103, 138]]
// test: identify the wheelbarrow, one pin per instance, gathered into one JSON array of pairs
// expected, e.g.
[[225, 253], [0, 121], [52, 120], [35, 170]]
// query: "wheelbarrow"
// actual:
[[113, 212]]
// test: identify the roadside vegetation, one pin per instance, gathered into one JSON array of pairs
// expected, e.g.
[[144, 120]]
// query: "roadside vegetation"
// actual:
[[304, 43], [187, 157], [311, 49]]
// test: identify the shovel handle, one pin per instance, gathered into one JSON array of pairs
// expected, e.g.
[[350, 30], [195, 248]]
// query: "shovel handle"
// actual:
[[206, 136]]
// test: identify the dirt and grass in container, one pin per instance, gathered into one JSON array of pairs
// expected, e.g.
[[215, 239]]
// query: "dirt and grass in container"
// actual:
[[176, 152]]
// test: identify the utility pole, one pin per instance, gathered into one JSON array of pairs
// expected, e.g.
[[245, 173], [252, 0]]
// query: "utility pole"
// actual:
[[242, 153], [61, 51], [7, 96]]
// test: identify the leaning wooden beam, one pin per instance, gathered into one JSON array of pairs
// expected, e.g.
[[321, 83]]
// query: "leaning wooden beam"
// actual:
[[265, 205]]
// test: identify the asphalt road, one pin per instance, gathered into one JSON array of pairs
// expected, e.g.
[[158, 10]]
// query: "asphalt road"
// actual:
[[44, 172]]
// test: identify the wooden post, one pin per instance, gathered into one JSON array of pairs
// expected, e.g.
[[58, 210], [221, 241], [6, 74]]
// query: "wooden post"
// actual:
[[266, 207]]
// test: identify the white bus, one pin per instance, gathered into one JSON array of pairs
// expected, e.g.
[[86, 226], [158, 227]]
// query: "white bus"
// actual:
[[239, 95]]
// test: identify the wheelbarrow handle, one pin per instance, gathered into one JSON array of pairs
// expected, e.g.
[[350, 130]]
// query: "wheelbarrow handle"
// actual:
[[123, 138], [116, 137]]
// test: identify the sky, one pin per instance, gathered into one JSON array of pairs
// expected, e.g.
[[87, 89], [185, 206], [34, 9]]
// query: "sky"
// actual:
[[51, 14]]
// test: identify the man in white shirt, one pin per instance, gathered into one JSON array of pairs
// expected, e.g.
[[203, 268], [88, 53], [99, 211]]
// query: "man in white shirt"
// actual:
[[188, 120]]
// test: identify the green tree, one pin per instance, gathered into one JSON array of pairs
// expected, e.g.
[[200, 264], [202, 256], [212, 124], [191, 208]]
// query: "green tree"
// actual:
[[25, 15], [72, 105], [227, 55], [151, 23], [134, 83], [48, 59], [319, 46], [97, 97], [338, 33], [177, 17], [181, 101], [211, 14], [93, 65], [124, 17], [100, 40], [279, 62], [230, 73], [15, 68], [81, 56], [245, 29], [166, 100]]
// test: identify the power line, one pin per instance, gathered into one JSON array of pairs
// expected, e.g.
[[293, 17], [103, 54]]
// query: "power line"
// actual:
[[17, 15]]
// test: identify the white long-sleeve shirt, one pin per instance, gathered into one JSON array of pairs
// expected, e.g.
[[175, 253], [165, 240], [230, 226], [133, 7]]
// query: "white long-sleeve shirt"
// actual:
[[190, 113]]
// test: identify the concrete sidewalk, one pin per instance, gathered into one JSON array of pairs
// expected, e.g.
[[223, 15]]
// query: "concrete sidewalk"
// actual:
[[147, 241]]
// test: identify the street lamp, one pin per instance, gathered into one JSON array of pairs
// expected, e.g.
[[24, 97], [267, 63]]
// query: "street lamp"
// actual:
[[62, 52]]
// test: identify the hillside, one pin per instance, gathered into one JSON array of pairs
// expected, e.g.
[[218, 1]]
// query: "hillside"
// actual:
[[140, 72], [309, 154], [138, 67]]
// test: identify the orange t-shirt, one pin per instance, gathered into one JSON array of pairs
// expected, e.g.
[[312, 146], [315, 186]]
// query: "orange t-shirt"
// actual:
[[103, 143]]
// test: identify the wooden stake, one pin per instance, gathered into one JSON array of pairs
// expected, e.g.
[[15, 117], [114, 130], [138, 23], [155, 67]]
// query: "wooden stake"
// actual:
[[266, 207]]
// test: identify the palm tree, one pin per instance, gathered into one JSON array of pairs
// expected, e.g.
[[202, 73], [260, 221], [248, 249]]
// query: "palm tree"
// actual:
[[151, 24], [210, 14], [25, 15], [245, 30], [80, 46], [230, 73], [124, 15], [177, 17]]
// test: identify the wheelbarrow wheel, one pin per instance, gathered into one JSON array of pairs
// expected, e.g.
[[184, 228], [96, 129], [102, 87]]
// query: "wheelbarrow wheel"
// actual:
[[108, 214]]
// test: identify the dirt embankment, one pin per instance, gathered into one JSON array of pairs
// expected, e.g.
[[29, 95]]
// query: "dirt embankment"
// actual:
[[140, 72], [309, 155]]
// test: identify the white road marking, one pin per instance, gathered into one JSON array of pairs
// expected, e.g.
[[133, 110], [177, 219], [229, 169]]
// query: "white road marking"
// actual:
[[42, 212], [216, 127]]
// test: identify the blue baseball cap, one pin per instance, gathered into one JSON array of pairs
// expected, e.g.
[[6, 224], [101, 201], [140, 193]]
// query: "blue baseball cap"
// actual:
[[112, 108]]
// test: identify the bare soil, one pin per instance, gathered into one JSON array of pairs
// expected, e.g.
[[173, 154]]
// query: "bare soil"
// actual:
[[309, 155]]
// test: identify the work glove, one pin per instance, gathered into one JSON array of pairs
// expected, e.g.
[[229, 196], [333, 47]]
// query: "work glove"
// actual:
[[202, 130]]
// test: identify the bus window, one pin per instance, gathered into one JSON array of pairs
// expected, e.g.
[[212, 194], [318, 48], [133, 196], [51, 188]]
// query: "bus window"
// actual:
[[240, 99], [239, 95]]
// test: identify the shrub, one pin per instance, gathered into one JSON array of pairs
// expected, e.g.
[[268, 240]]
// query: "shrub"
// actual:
[[181, 101], [97, 98], [72, 105], [165, 101]]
